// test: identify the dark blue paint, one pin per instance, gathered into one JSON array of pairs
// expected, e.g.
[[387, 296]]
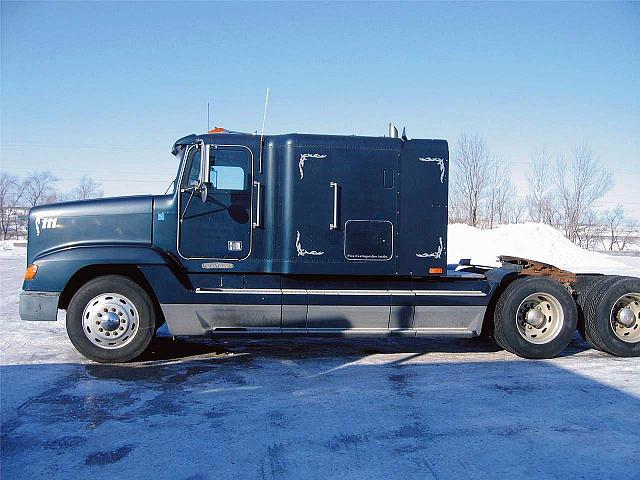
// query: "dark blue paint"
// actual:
[[379, 180], [107, 221]]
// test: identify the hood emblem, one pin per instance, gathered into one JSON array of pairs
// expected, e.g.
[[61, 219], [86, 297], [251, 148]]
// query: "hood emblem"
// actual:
[[45, 223]]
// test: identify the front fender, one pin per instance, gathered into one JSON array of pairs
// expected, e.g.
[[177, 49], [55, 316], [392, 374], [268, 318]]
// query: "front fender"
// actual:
[[56, 269]]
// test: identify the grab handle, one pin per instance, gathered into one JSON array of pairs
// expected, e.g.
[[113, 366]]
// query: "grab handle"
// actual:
[[333, 225], [258, 221]]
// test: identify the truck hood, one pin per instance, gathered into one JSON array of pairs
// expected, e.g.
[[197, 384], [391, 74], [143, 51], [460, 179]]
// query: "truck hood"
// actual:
[[105, 221]]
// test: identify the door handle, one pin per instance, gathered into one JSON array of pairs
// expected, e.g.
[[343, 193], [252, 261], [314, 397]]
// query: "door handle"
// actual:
[[334, 225], [258, 220]]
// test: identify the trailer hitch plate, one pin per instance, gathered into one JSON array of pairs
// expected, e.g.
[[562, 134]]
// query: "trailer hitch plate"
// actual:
[[539, 269]]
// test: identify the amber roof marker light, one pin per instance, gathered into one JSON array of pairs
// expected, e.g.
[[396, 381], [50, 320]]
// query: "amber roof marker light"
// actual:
[[30, 274]]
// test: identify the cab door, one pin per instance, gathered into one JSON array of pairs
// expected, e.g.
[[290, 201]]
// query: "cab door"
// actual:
[[219, 227]]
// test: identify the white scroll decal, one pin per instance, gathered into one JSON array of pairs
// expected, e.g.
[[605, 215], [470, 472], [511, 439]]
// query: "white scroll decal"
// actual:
[[436, 254], [301, 251], [439, 161], [303, 157]]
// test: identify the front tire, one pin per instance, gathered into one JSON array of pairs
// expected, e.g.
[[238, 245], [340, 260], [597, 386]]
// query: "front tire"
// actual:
[[111, 319], [535, 317]]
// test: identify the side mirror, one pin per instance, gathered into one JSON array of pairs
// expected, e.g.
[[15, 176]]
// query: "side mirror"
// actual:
[[205, 171]]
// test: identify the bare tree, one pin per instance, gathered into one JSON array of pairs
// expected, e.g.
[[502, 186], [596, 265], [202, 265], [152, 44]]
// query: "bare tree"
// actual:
[[500, 194], [87, 188], [619, 228], [455, 210], [39, 188], [591, 230], [540, 199], [10, 194], [579, 184], [516, 210], [471, 172]]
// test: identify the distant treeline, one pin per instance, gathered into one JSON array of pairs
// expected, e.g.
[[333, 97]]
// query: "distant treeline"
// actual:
[[560, 192]]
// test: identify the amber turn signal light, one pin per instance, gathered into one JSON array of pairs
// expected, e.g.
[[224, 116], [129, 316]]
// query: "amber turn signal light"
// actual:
[[30, 274], [436, 270]]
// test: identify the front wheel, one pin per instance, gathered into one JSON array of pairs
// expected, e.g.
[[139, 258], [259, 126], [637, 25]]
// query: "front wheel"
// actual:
[[535, 317], [111, 319]]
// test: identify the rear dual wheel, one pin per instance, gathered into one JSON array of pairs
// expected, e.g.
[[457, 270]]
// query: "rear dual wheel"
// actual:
[[535, 317], [612, 316], [584, 287]]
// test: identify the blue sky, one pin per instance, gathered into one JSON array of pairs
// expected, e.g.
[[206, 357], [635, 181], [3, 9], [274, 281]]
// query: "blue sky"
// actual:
[[105, 88]]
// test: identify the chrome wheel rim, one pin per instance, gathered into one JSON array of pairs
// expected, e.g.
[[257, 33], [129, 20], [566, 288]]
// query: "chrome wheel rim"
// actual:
[[539, 318], [110, 321], [625, 318]]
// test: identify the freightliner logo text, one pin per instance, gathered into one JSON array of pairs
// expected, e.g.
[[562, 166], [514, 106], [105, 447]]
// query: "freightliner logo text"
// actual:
[[44, 223]]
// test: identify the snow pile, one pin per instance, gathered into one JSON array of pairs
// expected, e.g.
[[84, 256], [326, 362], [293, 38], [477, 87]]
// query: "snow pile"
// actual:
[[9, 248], [535, 241]]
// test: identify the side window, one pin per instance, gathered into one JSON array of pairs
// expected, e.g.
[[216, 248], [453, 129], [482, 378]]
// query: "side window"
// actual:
[[229, 169]]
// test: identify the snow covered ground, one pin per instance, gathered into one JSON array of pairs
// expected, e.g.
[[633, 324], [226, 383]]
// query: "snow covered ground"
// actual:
[[292, 409]]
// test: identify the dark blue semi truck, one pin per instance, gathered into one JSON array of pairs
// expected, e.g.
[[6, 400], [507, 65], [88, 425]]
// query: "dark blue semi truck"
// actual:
[[301, 235]]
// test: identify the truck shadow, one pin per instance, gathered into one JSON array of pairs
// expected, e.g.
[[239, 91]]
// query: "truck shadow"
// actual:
[[264, 411], [184, 348]]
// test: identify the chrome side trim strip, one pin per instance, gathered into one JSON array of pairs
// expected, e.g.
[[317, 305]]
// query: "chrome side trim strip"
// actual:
[[351, 331], [300, 291], [437, 331], [451, 293], [293, 291], [246, 291], [348, 292]]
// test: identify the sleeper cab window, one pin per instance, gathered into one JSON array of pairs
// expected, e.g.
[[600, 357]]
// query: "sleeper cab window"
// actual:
[[230, 168]]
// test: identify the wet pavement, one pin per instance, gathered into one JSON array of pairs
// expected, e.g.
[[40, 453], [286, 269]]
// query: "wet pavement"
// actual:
[[323, 408]]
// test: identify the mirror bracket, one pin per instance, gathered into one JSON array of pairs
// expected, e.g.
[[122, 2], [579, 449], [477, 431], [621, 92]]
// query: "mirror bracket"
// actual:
[[205, 171]]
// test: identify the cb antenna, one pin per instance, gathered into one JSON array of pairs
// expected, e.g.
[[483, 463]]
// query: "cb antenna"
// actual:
[[264, 119], [208, 118]]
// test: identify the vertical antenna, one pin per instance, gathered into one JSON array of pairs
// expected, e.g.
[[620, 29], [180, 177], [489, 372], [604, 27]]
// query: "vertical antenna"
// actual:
[[208, 123], [264, 119]]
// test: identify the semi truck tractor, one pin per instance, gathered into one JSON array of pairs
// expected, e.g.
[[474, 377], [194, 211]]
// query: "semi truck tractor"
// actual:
[[301, 234]]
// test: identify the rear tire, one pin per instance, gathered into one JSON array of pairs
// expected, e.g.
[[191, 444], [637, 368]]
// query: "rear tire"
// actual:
[[612, 303], [584, 290], [111, 319], [535, 317]]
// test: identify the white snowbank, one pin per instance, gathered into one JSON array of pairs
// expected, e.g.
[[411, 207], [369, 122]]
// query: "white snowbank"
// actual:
[[9, 248], [535, 241]]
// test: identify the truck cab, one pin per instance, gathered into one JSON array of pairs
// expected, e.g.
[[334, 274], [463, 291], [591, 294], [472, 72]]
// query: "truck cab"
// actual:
[[286, 234]]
